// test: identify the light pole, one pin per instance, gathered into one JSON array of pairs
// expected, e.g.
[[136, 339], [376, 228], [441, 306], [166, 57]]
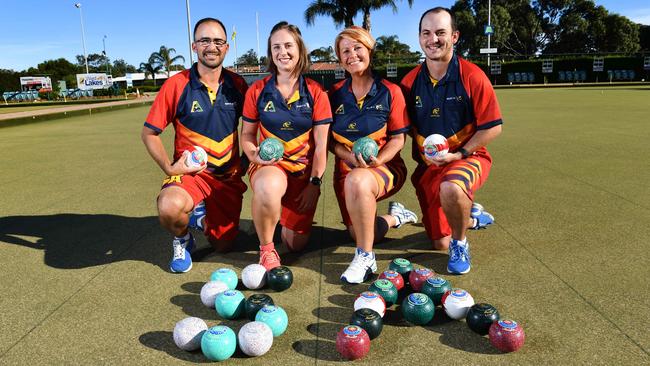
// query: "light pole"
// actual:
[[106, 57], [83, 36], [189, 32]]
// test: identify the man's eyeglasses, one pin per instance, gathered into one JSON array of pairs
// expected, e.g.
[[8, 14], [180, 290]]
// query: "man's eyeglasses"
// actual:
[[205, 42]]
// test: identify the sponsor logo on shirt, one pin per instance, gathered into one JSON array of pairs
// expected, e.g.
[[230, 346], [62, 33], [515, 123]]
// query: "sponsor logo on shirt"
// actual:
[[418, 101], [269, 107], [286, 126], [352, 127], [435, 112], [340, 110], [196, 107], [376, 107]]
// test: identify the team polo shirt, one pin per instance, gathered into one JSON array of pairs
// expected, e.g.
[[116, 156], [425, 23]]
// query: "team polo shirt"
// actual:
[[459, 104], [290, 121], [201, 119], [381, 113]]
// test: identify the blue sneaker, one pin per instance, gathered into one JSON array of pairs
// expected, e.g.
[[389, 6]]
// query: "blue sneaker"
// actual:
[[182, 260], [197, 217], [482, 218], [459, 258]]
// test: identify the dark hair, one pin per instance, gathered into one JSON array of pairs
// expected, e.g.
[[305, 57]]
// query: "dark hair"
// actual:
[[206, 20], [303, 64], [439, 9]]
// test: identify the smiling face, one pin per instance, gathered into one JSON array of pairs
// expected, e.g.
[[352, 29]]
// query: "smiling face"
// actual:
[[437, 39], [284, 51], [210, 55], [354, 56]]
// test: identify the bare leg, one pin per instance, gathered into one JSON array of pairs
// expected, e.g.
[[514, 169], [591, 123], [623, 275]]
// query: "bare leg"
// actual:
[[456, 206], [269, 185], [360, 199], [174, 207]]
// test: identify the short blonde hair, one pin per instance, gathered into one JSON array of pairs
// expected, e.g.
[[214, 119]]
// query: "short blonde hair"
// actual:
[[358, 34], [303, 55]]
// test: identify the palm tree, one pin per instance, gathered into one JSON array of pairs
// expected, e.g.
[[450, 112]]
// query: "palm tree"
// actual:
[[151, 67], [165, 59], [341, 11], [367, 5]]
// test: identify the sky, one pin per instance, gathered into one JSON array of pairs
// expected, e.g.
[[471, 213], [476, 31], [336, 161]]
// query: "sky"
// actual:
[[37, 30]]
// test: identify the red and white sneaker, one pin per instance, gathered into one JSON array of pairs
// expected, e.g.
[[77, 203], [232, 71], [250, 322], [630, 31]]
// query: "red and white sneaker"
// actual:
[[269, 257]]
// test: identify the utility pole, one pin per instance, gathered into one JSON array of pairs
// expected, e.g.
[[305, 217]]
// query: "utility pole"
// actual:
[[83, 36], [189, 31]]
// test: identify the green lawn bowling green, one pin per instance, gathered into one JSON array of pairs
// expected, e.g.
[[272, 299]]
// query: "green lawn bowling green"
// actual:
[[84, 262]]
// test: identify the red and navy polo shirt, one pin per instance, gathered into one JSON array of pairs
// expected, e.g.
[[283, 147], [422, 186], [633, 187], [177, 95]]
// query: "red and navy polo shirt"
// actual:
[[458, 105], [382, 113], [184, 102], [291, 123]]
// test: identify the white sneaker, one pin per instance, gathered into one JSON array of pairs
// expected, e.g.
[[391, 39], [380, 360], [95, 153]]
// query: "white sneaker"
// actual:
[[362, 266], [401, 214]]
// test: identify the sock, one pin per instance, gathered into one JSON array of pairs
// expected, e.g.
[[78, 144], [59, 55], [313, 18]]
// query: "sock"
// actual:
[[475, 225], [462, 242]]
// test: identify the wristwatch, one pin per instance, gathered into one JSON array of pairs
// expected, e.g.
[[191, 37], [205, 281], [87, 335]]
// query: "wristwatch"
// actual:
[[315, 181], [464, 152]]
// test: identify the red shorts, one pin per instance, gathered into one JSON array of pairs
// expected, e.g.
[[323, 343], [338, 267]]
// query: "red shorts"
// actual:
[[469, 174], [290, 218], [222, 197], [390, 178]]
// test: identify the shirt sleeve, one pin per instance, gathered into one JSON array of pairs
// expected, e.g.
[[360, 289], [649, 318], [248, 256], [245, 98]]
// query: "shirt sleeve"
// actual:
[[163, 109], [398, 119], [322, 113], [484, 101], [250, 112]]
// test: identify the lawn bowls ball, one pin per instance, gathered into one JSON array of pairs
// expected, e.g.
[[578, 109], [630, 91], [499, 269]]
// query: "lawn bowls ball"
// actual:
[[367, 147], [435, 287], [435, 146], [225, 275], [418, 309], [394, 277], [271, 148], [369, 320], [254, 276], [275, 317], [218, 343], [507, 335], [386, 290], [230, 304], [254, 303], [480, 317], [370, 300], [196, 158], [352, 342], [280, 278], [418, 277], [401, 266], [210, 290], [457, 303], [255, 338], [188, 333]]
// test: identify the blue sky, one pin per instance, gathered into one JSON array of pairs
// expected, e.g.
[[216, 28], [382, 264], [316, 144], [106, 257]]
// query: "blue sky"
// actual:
[[37, 30]]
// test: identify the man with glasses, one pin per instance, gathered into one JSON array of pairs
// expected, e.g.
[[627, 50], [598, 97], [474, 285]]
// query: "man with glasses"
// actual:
[[204, 104]]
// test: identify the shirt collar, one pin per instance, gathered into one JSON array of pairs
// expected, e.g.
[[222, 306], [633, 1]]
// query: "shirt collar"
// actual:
[[450, 76], [195, 81], [373, 89]]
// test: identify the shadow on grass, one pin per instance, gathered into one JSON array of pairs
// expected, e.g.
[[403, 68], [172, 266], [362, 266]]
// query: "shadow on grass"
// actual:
[[73, 241]]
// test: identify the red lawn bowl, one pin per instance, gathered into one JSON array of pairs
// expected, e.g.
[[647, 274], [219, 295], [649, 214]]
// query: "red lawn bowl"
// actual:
[[507, 335], [418, 277], [352, 342]]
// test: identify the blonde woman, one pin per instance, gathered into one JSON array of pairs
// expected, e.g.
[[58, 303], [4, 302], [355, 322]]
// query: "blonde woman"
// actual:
[[366, 105]]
